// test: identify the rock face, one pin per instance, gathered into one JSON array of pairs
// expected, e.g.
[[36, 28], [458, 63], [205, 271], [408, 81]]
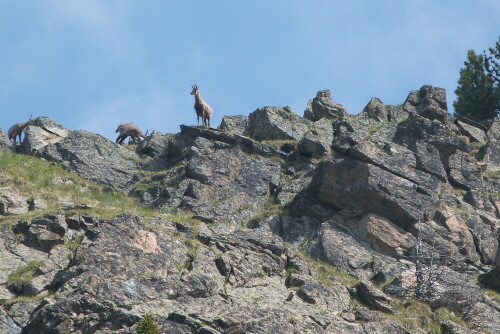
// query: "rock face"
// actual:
[[5, 143], [331, 223], [95, 158]]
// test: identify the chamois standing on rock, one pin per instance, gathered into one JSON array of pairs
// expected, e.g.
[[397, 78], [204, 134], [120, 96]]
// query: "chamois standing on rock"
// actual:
[[128, 129], [202, 109], [17, 129]]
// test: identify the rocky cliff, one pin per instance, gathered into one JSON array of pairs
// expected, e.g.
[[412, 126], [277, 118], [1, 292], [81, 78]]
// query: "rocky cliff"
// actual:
[[381, 222]]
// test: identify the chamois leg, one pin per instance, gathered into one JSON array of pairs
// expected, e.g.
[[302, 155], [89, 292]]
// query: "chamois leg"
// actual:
[[120, 139]]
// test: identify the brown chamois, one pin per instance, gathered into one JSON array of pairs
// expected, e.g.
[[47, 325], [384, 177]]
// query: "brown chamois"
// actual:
[[202, 109], [17, 129], [128, 129]]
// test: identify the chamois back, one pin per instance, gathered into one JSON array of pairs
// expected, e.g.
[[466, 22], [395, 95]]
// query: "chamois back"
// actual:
[[17, 129], [128, 129]]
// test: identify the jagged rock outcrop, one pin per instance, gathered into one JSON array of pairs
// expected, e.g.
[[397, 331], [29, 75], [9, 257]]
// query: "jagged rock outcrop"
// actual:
[[318, 141], [323, 106], [429, 102], [42, 132], [270, 224], [234, 124], [272, 123], [376, 110]]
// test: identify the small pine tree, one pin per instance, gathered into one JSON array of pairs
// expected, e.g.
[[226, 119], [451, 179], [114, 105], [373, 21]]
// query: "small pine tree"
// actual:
[[477, 96], [492, 62], [147, 326]]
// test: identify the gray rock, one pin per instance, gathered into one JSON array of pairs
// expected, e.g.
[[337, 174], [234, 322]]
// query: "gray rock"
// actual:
[[417, 129], [95, 158], [486, 238], [12, 203], [234, 124], [323, 106], [429, 102], [272, 123], [363, 187], [475, 134], [374, 297], [155, 144], [464, 171], [7, 324], [37, 204], [5, 143], [318, 141], [41, 133], [375, 110]]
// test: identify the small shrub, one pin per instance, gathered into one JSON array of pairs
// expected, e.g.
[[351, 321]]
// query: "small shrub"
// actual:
[[147, 326]]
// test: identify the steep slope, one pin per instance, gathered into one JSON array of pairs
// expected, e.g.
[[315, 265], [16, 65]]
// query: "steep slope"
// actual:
[[273, 224]]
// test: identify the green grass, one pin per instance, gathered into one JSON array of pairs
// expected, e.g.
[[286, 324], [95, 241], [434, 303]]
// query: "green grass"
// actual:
[[23, 274], [494, 174], [270, 208], [35, 178], [328, 273], [413, 315], [495, 294]]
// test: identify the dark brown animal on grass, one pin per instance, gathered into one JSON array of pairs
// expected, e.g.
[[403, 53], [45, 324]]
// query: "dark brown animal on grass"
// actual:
[[128, 129], [202, 109], [17, 129]]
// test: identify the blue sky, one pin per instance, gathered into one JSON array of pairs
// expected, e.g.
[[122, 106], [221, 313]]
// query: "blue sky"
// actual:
[[92, 64]]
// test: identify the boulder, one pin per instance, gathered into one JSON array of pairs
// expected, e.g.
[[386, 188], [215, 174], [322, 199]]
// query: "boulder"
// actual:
[[234, 124], [12, 203], [323, 106], [272, 123], [475, 134], [457, 231], [375, 110], [155, 144], [5, 143], [318, 141], [374, 297], [41, 133], [95, 158], [384, 236], [365, 188], [429, 102]]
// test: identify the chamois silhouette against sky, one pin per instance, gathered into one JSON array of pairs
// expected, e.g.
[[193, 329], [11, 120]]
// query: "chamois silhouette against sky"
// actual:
[[92, 64]]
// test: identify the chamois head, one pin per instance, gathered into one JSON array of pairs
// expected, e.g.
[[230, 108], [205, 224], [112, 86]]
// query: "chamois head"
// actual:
[[195, 90]]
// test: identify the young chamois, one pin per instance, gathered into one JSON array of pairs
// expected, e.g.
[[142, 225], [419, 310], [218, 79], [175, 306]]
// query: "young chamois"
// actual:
[[202, 109], [17, 129], [128, 129]]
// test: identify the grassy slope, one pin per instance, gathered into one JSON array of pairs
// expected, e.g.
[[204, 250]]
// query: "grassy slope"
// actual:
[[36, 178]]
